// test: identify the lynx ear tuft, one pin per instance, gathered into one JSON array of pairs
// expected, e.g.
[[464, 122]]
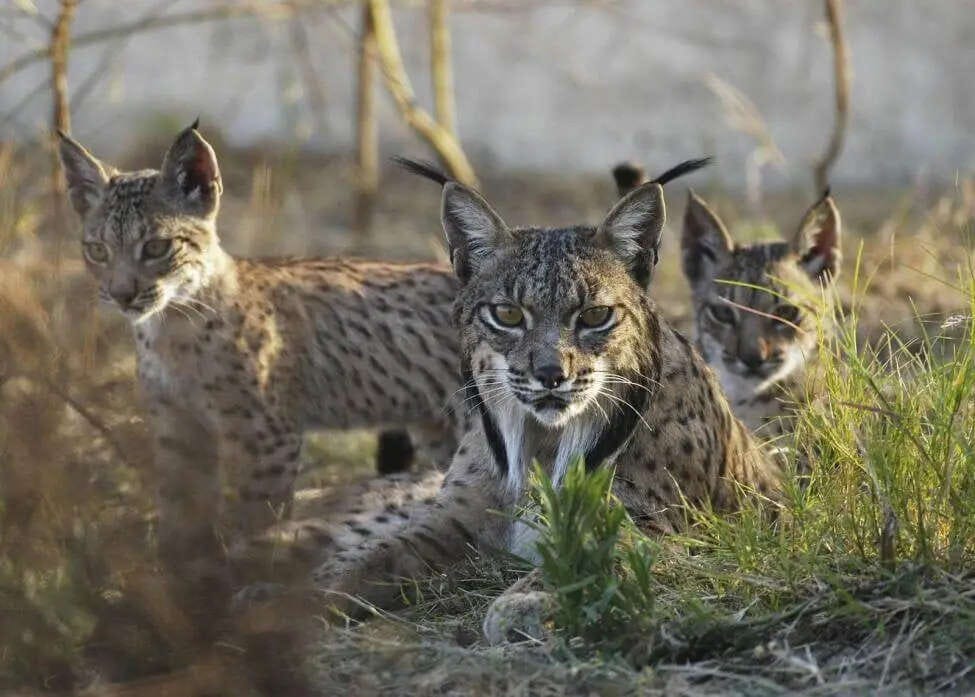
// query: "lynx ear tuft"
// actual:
[[628, 176]]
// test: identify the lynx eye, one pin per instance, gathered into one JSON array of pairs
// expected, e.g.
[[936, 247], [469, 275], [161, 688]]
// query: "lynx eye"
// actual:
[[153, 249], [787, 313], [96, 252], [721, 313], [507, 315], [597, 316]]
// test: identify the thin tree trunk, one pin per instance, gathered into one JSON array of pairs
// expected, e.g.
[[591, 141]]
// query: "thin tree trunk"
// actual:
[[440, 65], [309, 75], [61, 114], [398, 84], [367, 129], [841, 79]]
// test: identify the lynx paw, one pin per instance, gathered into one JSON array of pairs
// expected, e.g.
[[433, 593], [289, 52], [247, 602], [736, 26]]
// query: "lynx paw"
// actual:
[[518, 615]]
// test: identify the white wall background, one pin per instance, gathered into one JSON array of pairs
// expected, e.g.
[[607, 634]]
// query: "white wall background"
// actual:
[[554, 85]]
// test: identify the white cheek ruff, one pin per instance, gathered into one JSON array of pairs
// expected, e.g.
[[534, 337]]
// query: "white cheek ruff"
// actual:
[[578, 437], [795, 358], [509, 418]]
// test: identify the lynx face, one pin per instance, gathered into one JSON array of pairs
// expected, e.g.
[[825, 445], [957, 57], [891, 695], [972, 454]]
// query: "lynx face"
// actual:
[[550, 323], [757, 306], [554, 327], [147, 235]]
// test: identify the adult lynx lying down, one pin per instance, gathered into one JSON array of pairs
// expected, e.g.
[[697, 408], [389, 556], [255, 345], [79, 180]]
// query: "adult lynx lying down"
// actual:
[[564, 354]]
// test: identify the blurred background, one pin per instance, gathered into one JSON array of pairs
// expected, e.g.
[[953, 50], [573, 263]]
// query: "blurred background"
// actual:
[[542, 85], [305, 100]]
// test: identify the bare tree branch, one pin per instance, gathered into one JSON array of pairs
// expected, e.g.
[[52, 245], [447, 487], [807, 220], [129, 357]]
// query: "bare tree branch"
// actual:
[[398, 84], [440, 65], [61, 116], [841, 78], [367, 129], [309, 75], [149, 24], [81, 410]]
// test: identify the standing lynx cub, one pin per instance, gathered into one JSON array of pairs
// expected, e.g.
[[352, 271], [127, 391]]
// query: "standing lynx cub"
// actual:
[[757, 307], [239, 357], [564, 354]]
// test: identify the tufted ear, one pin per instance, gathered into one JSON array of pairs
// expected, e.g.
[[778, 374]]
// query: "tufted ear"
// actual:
[[190, 176], [817, 241], [632, 230], [704, 242], [474, 231], [86, 176], [628, 176]]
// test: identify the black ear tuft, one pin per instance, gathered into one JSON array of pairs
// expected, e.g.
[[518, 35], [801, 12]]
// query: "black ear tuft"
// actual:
[[420, 168], [628, 176], [196, 124], [685, 167], [190, 175]]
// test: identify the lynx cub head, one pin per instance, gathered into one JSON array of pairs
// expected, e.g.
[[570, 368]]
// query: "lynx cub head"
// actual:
[[149, 237], [754, 304]]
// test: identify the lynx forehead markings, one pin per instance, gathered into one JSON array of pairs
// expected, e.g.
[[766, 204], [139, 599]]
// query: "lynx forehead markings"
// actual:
[[238, 357], [566, 354], [759, 307]]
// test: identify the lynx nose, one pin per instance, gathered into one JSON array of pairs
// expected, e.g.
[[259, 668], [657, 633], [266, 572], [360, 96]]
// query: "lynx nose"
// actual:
[[754, 356], [752, 361], [551, 376], [123, 296]]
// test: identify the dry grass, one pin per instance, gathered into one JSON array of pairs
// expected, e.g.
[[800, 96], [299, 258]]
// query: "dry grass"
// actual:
[[84, 604]]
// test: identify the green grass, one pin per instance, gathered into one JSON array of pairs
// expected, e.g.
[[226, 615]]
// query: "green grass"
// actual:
[[865, 579], [863, 584]]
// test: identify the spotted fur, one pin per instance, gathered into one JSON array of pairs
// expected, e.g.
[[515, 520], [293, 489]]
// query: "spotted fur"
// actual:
[[256, 351], [623, 389]]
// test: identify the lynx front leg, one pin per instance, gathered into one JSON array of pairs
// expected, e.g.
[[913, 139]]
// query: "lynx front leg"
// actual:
[[260, 454], [439, 533], [189, 500], [436, 441]]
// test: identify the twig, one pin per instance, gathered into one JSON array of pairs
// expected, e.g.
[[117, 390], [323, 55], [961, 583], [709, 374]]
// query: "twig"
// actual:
[[113, 53], [398, 84], [61, 116], [440, 67], [148, 24], [84, 412], [309, 74], [841, 78], [367, 129]]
